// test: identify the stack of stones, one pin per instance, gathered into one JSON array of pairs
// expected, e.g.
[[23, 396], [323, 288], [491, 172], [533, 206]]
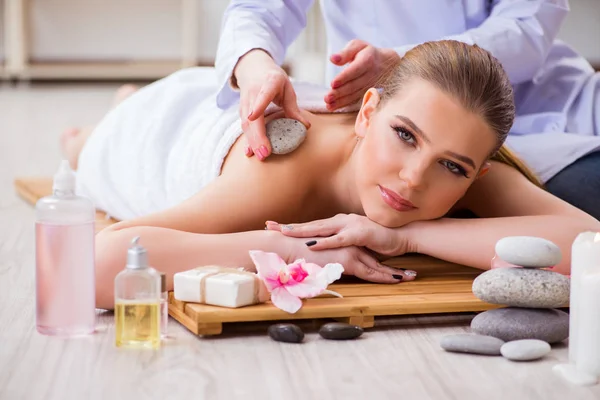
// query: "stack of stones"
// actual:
[[524, 329]]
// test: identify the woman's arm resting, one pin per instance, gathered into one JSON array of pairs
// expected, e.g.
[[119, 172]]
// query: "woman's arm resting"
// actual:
[[509, 205], [171, 251]]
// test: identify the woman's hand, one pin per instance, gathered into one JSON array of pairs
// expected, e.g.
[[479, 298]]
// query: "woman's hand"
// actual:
[[347, 230], [356, 261], [366, 64], [261, 82]]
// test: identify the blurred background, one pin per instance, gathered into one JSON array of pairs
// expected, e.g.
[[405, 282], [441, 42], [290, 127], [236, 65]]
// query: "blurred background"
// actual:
[[148, 39]]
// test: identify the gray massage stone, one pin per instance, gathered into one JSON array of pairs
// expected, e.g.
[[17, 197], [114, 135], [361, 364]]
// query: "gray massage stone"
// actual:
[[528, 251], [285, 135], [525, 350], [340, 331], [510, 324], [522, 287], [473, 344], [288, 333]]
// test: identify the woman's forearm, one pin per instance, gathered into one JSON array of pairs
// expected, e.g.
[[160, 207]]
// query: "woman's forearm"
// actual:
[[172, 251], [472, 242]]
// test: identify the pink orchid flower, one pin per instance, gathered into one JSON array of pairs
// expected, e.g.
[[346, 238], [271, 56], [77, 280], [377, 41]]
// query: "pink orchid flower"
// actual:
[[289, 283]]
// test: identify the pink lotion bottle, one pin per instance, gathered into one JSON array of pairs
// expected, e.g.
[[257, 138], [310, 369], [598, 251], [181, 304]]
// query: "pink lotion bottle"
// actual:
[[64, 270]]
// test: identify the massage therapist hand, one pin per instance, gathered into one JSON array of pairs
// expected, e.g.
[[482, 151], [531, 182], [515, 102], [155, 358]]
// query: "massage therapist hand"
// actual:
[[356, 261], [347, 230], [365, 65], [262, 81]]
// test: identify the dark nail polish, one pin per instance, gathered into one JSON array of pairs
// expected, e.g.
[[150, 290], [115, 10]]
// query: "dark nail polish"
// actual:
[[401, 269], [311, 243], [399, 277]]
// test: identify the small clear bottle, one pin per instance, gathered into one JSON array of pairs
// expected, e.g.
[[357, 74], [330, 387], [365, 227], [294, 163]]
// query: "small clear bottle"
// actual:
[[137, 301], [64, 260], [164, 306]]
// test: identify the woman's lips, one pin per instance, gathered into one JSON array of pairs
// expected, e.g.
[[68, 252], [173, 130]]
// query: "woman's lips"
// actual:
[[395, 201]]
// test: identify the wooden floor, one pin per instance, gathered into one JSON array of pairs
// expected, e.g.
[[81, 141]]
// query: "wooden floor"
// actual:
[[399, 358]]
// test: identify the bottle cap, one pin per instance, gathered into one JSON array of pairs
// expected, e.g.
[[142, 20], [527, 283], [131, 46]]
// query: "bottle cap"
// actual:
[[137, 256], [163, 282], [64, 179]]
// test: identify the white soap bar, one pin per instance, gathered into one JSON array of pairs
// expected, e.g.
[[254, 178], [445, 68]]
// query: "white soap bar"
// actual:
[[225, 287]]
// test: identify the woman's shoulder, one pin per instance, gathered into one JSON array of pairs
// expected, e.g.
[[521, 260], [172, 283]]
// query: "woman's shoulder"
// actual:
[[506, 192], [295, 177]]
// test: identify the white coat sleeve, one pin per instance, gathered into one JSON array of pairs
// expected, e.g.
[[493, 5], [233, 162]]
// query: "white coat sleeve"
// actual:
[[519, 33], [271, 25]]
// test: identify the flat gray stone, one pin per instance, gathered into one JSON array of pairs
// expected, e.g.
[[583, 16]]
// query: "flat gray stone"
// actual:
[[473, 344], [525, 350], [285, 135], [528, 251], [510, 324], [523, 287], [288, 333], [340, 331]]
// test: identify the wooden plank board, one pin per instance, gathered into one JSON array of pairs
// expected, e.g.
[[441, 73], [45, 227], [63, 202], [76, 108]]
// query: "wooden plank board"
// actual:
[[441, 287]]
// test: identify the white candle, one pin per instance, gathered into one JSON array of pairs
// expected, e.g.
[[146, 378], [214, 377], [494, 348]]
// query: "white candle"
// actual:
[[585, 256], [587, 358]]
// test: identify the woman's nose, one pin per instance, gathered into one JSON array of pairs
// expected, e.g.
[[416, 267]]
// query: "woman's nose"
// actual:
[[413, 174]]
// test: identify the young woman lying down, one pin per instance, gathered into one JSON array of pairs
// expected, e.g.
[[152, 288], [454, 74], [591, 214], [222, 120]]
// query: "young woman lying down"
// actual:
[[420, 151]]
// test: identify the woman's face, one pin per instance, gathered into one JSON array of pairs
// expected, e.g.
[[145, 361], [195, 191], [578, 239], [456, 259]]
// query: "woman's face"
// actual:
[[418, 153]]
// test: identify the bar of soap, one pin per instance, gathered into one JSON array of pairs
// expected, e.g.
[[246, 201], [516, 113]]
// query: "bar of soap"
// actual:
[[285, 135], [219, 286]]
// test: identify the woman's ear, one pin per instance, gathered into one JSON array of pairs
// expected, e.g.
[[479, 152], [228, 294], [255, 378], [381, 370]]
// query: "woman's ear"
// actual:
[[367, 109], [485, 168]]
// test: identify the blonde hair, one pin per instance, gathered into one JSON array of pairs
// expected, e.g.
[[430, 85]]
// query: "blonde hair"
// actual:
[[470, 74]]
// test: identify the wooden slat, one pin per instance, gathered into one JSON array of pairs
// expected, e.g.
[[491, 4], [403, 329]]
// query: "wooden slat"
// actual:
[[346, 307]]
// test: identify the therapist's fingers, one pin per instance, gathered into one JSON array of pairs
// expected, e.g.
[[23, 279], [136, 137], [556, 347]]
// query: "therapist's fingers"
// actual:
[[256, 135], [362, 64], [348, 53], [349, 92], [244, 110], [290, 105], [269, 91]]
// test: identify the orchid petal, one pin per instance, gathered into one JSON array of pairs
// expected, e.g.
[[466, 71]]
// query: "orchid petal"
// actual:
[[311, 268], [268, 266], [307, 289], [297, 272], [332, 272], [285, 301], [315, 284]]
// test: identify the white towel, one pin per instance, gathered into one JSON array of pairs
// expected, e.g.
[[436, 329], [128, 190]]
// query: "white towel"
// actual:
[[165, 143]]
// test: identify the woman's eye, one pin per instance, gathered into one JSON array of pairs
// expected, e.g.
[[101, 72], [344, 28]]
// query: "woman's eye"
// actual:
[[454, 168], [405, 135]]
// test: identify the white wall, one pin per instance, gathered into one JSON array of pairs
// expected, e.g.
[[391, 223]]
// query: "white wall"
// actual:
[[582, 28], [150, 29]]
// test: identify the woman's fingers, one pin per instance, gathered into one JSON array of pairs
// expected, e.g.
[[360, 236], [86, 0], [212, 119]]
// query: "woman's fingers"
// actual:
[[342, 239], [306, 230], [371, 270], [368, 269]]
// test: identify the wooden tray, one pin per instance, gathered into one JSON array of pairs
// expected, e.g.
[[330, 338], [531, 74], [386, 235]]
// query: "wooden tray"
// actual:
[[441, 287]]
